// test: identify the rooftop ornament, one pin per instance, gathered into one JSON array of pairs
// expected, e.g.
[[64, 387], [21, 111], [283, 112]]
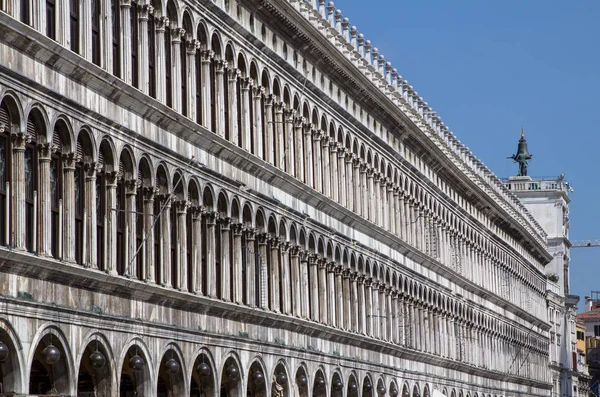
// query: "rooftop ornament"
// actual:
[[522, 157]]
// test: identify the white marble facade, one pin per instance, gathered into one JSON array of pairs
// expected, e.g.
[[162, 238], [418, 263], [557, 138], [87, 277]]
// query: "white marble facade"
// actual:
[[238, 199]]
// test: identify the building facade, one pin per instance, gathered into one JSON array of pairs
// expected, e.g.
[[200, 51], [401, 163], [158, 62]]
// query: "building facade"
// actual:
[[223, 198], [548, 201]]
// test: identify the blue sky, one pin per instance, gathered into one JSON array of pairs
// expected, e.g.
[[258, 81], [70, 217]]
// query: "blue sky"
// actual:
[[489, 67]]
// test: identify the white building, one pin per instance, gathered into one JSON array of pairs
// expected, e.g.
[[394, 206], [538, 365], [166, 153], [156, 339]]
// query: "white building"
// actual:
[[244, 199], [547, 199]]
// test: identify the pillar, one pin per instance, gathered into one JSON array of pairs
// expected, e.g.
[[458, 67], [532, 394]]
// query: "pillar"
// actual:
[[257, 113], [279, 138], [211, 262], [232, 97], [160, 24], [245, 88], [314, 288], [19, 141], [44, 220], [149, 193], [165, 243], [237, 264], [182, 248], [220, 87], [333, 169], [331, 294], [190, 51], [298, 153], [196, 256], [142, 47], [269, 131], [297, 285], [130, 228], [68, 206], [323, 296], [225, 260], [251, 275], [308, 155], [264, 277], [126, 66], [205, 76], [317, 161], [176, 76], [286, 279]]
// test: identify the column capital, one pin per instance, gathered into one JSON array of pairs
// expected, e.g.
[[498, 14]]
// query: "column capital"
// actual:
[[269, 99], [258, 91], [237, 229], [149, 192], [249, 232], [191, 46], [220, 66], [125, 3], [207, 55], [360, 279], [331, 266], [246, 83], [233, 74], [307, 128], [224, 222], [44, 152], [178, 33], [197, 212], [112, 178], [161, 24], [131, 186], [211, 218], [181, 206], [144, 11], [295, 250], [19, 140], [68, 160]]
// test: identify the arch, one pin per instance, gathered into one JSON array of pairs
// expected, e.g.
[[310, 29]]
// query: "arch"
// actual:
[[280, 384], [62, 134], [301, 380], [97, 372], [51, 363], [367, 386], [11, 112], [170, 372], [320, 383], [352, 387], [202, 377], [134, 369], [337, 384], [39, 123], [12, 369], [257, 383]]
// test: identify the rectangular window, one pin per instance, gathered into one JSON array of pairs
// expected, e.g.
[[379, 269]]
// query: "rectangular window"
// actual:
[[74, 24], [50, 19], [151, 55], [134, 45], [96, 31], [24, 11], [596, 330], [116, 30], [55, 197]]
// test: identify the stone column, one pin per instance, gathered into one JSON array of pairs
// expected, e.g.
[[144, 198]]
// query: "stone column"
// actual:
[[376, 199], [297, 285], [44, 235], [279, 138], [384, 216], [149, 193], [232, 97], [196, 257], [126, 66], [308, 155], [326, 167], [342, 181], [205, 76], [362, 304], [225, 260], [182, 248], [68, 205], [288, 132], [340, 306], [391, 208], [317, 162], [160, 24], [332, 295], [371, 195], [219, 128], [269, 130], [245, 87], [323, 296], [130, 228], [85, 28], [237, 264], [211, 260], [190, 51], [298, 153], [347, 300], [364, 190], [142, 47], [388, 320], [333, 169], [165, 243], [111, 222], [19, 228], [286, 281], [350, 182], [274, 275], [304, 294], [314, 288], [376, 312], [369, 307], [357, 185], [395, 313], [176, 76], [264, 277], [257, 142], [251, 275]]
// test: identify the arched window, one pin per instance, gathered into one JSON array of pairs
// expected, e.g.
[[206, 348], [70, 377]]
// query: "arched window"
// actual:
[[74, 24], [133, 15], [120, 216], [95, 8], [56, 195], [5, 169], [31, 186], [79, 183], [51, 19], [115, 11]]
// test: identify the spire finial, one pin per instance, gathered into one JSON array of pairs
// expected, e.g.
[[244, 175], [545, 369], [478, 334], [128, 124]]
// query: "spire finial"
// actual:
[[522, 132]]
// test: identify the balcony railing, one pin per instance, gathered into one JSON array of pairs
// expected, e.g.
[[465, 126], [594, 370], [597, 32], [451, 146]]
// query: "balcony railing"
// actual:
[[552, 287], [542, 184]]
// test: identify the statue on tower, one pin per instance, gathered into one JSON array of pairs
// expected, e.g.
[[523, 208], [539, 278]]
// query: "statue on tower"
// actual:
[[522, 157]]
